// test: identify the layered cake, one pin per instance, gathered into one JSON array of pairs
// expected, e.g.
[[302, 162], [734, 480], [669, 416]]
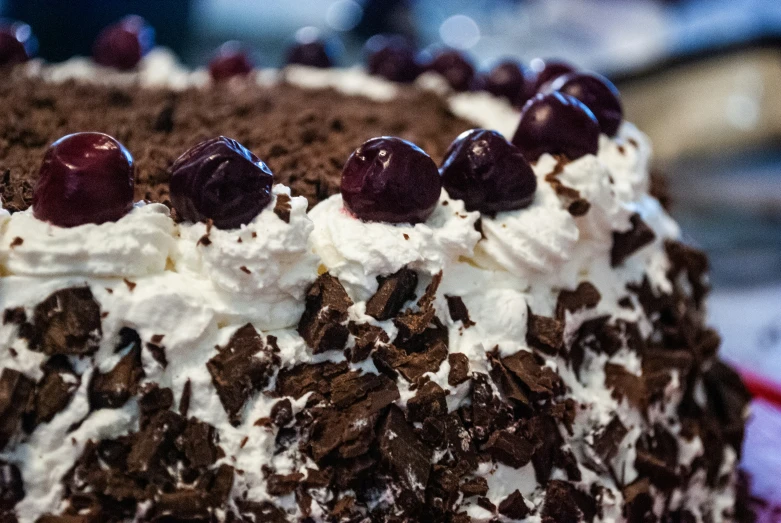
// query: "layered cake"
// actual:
[[372, 301]]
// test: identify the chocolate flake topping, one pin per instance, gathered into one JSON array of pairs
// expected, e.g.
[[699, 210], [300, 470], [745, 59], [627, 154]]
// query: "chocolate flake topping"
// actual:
[[545, 334], [585, 296], [458, 311], [112, 389], [407, 456], [393, 292], [514, 506], [67, 322], [282, 207], [241, 368], [626, 243], [16, 392], [11, 488], [459, 368], [321, 325]]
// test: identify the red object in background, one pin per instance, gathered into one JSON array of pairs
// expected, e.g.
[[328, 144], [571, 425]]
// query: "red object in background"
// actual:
[[762, 388]]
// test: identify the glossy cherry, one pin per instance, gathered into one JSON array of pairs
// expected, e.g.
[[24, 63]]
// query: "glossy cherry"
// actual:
[[17, 43], [391, 57], [231, 60], [508, 80], [311, 49], [220, 180], [391, 180], [597, 93], [548, 70], [455, 67], [556, 123], [84, 178], [123, 44], [488, 173]]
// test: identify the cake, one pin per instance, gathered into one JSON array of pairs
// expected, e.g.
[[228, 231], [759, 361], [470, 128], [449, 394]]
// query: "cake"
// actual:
[[513, 330]]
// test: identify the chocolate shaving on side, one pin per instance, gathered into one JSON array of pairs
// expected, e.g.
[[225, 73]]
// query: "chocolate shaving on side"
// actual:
[[627, 243]]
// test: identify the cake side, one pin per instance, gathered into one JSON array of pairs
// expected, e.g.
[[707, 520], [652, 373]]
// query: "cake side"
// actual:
[[545, 364]]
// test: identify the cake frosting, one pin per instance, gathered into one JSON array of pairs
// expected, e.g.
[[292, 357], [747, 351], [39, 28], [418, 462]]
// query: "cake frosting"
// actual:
[[543, 364]]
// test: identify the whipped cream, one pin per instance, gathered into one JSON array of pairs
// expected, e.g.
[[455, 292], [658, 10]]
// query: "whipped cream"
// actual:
[[265, 264], [137, 244], [354, 81], [356, 251], [529, 242]]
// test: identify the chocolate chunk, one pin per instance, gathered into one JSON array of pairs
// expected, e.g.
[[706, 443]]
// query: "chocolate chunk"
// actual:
[[728, 399], [510, 448], [692, 262], [326, 309], [282, 207], [182, 504], [608, 441], [53, 393], [283, 484], [16, 394], [657, 458], [477, 486], [393, 292], [198, 443], [458, 311], [514, 506], [626, 243], [414, 323], [544, 433], [184, 400], [266, 512], [486, 409], [67, 322], [417, 364], [282, 412], [564, 503], [579, 207], [459, 368], [304, 378], [538, 381], [626, 385], [154, 441], [154, 399], [11, 486], [428, 401], [241, 368], [545, 334], [15, 316], [585, 296], [485, 503], [638, 502], [405, 454], [350, 387], [112, 389], [221, 485], [158, 353], [366, 339]]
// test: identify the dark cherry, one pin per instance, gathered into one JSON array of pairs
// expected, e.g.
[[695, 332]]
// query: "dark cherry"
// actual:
[[598, 94], [388, 179], [547, 70], [17, 43], [220, 180], [84, 178], [488, 173], [123, 44], [311, 49], [556, 123], [508, 80], [391, 57], [231, 60], [456, 68]]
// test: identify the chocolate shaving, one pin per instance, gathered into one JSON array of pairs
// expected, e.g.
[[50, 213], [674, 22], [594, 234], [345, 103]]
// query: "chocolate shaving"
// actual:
[[585, 296], [459, 368], [626, 385], [241, 368], [544, 334], [282, 208], [627, 243], [326, 309], [393, 292], [67, 322], [510, 448], [16, 393], [112, 389], [608, 441], [408, 458], [514, 506], [458, 311]]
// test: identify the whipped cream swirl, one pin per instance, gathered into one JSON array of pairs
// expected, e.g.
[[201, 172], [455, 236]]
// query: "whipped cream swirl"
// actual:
[[357, 252], [138, 244]]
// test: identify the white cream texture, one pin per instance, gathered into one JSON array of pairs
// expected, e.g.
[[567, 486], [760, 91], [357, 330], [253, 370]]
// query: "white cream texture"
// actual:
[[197, 295]]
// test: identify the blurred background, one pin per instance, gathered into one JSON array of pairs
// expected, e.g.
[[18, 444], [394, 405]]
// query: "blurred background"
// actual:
[[701, 77]]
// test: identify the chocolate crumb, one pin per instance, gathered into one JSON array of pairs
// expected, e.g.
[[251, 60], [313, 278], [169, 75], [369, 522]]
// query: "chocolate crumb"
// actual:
[[205, 241], [130, 285], [585, 296], [459, 368], [245, 270], [514, 506], [626, 243], [458, 311], [184, 400], [17, 242], [283, 207]]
